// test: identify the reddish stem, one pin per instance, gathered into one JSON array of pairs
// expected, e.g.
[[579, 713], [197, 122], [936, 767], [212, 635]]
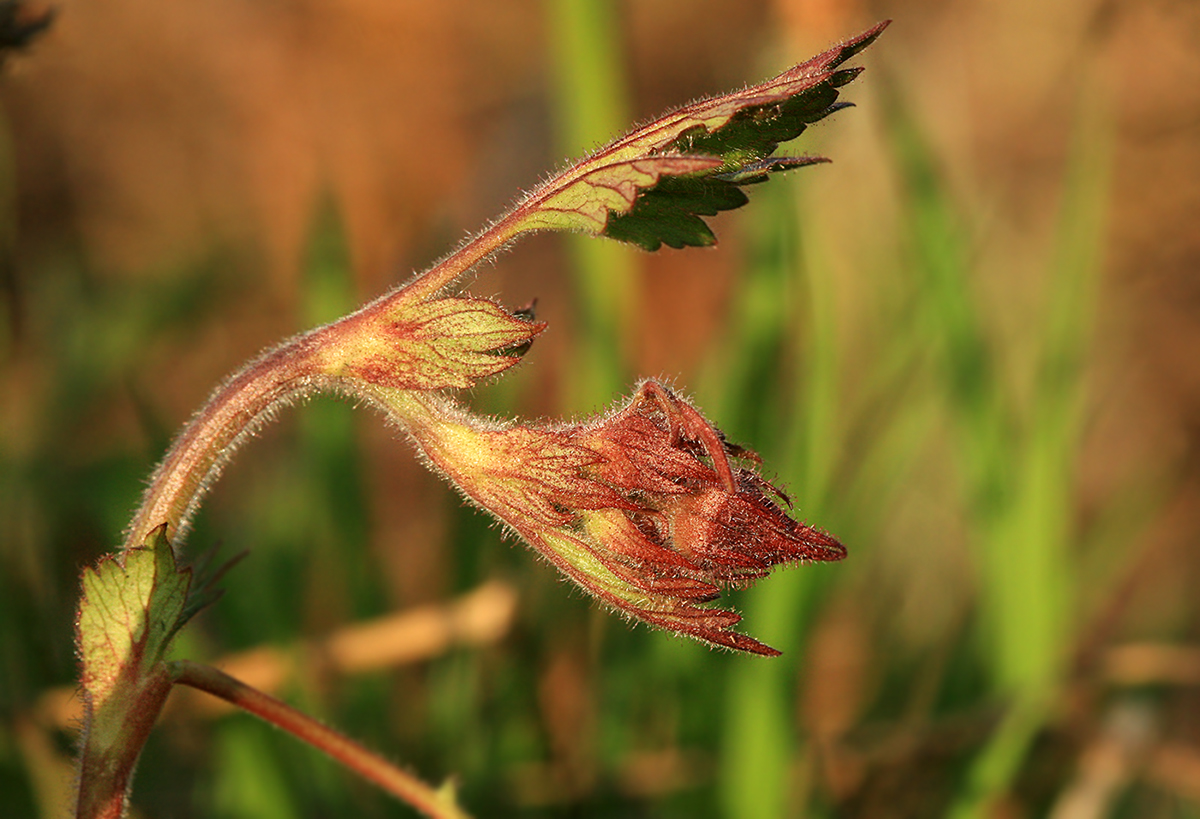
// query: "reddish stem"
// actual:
[[299, 367], [479, 247], [115, 732], [233, 413], [403, 785]]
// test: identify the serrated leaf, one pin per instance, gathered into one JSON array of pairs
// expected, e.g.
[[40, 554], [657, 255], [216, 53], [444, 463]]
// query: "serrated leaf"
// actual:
[[438, 344], [128, 615], [652, 186], [669, 212], [583, 198], [132, 605]]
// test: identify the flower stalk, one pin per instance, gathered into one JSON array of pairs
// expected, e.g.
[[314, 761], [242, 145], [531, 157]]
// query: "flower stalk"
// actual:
[[401, 341], [439, 803]]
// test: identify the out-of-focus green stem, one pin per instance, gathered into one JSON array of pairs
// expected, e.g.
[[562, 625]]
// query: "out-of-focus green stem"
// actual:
[[434, 802], [1017, 462], [760, 738], [590, 107], [998, 763]]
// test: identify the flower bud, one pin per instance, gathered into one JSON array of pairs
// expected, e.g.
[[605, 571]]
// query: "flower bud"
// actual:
[[649, 508]]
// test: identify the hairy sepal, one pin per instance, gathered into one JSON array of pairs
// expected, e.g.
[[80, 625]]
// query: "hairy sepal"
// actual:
[[434, 344]]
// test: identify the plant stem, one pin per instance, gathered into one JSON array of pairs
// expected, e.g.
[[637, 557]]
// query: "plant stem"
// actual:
[[438, 803], [299, 367], [470, 253], [113, 740], [233, 413]]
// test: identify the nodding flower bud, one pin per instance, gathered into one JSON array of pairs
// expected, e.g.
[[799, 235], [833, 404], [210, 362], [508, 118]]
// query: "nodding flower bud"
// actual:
[[649, 508]]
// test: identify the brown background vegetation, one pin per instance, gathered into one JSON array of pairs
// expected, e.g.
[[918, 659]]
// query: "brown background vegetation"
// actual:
[[149, 137]]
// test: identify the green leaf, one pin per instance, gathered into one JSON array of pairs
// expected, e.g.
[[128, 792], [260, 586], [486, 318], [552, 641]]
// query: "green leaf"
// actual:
[[128, 615], [652, 186], [585, 196], [131, 607]]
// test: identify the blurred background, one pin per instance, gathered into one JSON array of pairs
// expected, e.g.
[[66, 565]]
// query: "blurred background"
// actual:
[[970, 348]]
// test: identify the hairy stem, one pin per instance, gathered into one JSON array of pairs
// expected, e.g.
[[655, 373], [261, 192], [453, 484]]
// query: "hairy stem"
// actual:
[[403, 785], [479, 247], [232, 414], [308, 363], [113, 739]]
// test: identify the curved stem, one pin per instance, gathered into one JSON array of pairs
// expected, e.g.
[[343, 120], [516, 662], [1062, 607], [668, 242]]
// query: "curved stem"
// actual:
[[479, 247], [234, 412], [438, 803], [296, 368]]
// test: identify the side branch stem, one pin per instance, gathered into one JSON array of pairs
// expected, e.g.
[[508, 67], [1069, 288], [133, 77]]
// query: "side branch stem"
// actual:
[[439, 804], [452, 267]]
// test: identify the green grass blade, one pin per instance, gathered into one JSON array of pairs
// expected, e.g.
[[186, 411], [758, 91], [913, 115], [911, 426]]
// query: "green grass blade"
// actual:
[[590, 108], [785, 385]]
